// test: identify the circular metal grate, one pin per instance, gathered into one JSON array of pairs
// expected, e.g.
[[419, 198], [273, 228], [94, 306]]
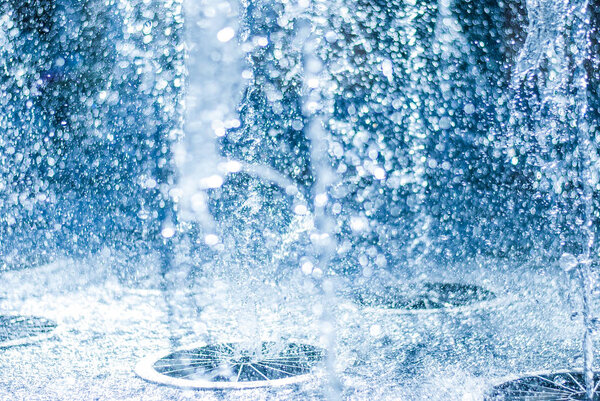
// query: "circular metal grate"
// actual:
[[230, 365], [17, 330], [424, 296], [561, 386]]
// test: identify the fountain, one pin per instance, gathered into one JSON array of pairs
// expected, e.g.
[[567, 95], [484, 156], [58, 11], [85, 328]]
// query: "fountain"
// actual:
[[231, 366], [17, 330], [298, 199], [559, 38]]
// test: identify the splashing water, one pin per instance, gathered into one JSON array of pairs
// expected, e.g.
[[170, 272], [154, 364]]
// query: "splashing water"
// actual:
[[302, 161], [316, 107], [214, 68], [555, 53]]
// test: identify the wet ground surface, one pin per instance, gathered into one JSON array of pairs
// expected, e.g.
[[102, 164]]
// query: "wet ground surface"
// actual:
[[107, 324]]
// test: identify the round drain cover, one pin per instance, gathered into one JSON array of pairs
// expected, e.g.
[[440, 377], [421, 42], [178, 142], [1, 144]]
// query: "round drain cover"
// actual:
[[230, 365], [423, 296], [563, 386], [16, 330]]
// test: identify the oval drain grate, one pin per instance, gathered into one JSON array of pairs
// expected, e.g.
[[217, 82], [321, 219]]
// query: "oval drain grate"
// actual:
[[424, 296], [231, 365], [562, 386], [17, 330]]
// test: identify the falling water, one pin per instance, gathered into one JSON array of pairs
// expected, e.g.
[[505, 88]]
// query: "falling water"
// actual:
[[316, 108], [311, 147], [587, 158], [554, 58], [214, 66]]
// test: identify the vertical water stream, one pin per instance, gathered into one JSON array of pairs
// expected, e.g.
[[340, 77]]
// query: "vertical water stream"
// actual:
[[581, 42], [553, 60], [316, 106]]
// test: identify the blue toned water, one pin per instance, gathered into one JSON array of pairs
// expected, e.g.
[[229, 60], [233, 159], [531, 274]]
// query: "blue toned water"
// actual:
[[408, 185]]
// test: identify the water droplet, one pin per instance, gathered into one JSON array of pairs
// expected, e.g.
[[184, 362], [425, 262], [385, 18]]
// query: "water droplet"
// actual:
[[226, 34], [568, 262]]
